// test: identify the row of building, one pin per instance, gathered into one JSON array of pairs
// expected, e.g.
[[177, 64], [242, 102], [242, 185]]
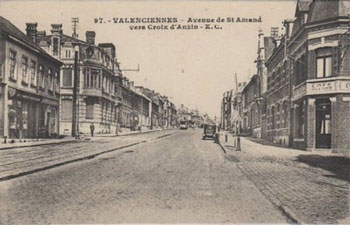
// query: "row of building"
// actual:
[[300, 95], [37, 75]]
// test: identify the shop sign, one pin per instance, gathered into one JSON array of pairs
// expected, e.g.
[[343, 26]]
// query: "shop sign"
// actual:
[[321, 87], [328, 87]]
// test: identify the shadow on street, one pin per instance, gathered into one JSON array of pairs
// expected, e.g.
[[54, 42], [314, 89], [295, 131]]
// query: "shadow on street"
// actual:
[[338, 165]]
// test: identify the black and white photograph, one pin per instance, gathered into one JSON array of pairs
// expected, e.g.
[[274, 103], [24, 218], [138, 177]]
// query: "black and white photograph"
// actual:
[[174, 112]]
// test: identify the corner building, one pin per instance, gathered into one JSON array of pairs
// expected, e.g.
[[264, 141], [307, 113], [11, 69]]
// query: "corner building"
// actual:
[[99, 97], [319, 49]]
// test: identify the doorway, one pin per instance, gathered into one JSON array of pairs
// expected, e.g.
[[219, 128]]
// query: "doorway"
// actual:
[[323, 123]]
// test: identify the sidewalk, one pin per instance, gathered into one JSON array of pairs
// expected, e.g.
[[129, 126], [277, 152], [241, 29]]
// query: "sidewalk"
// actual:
[[23, 160], [42, 141], [309, 187]]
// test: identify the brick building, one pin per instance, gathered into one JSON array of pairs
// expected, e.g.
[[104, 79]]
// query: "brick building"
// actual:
[[29, 85], [278, 93], [319, 49]]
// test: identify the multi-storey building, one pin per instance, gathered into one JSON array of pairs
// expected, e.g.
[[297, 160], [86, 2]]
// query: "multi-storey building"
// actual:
[[251, 101], [265, 48], [98, 99], [278, 94], [146, 108], [29, 85], [319, 49]]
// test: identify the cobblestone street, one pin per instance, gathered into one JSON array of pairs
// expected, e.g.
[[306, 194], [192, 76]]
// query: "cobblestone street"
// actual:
[[179, 178], [297, 181]]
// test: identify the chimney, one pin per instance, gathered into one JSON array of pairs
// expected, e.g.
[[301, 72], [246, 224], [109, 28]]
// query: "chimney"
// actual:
[[56, 29], [274, 32], [90, 37], [288, 24], [109, 48], [31, 31]]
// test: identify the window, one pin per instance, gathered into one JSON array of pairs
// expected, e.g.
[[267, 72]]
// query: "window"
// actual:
[[32, 72], [89, 110], [24, 69], [12, 59], [68, 53], [55, 46], [67, 105], [49, 80], [41, 76], [285, 111], [273, 118], [57, 83], [324, 63], [67, 77]]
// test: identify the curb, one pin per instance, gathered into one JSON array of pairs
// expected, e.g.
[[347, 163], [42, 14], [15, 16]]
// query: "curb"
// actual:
[[69, 141], [12, 176], [286, 211], [38, 144]]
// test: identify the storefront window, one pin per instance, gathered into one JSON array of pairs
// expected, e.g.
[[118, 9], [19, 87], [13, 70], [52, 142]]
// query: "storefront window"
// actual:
[[53, 121], [25, 116], [12, 117]]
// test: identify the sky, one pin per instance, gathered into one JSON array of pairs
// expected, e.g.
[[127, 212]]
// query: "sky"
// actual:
[[191, 67]]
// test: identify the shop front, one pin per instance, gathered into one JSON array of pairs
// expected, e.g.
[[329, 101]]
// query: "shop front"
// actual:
[[321, 118], [31, 116], [22, 114]]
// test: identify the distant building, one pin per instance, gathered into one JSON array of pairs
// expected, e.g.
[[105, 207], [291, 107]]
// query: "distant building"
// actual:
[[29, 85]]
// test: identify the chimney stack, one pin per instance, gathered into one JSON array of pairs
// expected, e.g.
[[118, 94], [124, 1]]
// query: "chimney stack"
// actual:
[[90, 37], [56, 29], [31, 31]]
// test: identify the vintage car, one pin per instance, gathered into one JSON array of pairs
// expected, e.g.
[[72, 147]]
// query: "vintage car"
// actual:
[[209, 131]]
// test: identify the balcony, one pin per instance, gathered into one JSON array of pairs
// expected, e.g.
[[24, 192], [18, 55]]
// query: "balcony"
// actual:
[[94, 92]]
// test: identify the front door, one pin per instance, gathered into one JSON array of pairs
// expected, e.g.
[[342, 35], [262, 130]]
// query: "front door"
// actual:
[[323, 123]]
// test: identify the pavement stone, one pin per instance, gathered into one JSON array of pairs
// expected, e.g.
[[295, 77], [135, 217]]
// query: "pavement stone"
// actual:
[[15, 162], [305, 192]]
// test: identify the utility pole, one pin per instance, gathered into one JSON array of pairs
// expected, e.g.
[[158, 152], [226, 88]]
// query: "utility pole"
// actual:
[[75, 90]]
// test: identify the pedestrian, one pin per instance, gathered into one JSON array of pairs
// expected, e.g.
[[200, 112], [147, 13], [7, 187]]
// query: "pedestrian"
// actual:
[[92, 128]]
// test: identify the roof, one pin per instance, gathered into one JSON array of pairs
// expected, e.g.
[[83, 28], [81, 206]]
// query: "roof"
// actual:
[[64, 38], [10, 29], [321, 10]]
